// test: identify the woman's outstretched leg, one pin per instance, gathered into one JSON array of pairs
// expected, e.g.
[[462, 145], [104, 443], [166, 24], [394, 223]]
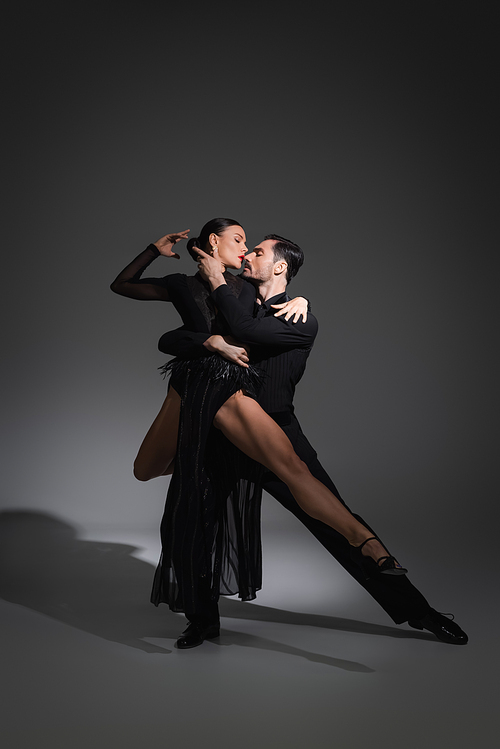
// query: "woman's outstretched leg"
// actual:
[[247, 426], [157, 452]]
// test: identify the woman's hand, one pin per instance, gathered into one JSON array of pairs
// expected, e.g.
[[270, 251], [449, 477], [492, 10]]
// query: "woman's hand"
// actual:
[[228, 348], [210, 267], [296, 307], [165, 244]]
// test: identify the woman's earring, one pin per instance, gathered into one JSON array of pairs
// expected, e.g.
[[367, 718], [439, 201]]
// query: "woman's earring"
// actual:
[[213, 248]]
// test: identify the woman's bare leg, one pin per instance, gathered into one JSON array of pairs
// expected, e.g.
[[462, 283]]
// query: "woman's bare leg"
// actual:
[[157, 452], [248, 427]]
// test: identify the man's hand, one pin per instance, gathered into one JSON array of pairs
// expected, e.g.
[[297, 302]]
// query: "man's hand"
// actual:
[[211, 268], [165, 244], [228, 348], [295, 307]]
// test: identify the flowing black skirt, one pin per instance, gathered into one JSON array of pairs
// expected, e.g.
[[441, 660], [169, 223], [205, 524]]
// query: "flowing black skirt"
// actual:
[[210, 531]]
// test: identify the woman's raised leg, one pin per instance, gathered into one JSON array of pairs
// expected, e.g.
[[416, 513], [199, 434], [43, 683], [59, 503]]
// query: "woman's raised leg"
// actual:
[[157, 452], [247, 426]]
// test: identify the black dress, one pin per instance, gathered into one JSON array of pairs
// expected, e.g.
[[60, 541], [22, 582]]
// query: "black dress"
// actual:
[[210, 531]]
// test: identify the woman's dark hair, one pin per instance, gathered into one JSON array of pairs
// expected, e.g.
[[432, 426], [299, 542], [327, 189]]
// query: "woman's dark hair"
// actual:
[[288, 251], [214, 226]]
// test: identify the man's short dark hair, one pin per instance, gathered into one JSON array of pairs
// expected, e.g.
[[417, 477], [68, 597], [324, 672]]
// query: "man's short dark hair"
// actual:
[[288, 251]]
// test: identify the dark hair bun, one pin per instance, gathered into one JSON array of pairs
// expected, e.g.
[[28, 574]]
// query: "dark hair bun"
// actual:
[[193, 242]]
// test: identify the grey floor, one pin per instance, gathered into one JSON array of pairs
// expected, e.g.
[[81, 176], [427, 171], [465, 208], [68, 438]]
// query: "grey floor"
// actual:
[[313, 662]]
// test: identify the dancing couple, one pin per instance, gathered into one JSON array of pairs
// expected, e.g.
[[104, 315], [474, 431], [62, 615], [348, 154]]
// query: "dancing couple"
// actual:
[[227, 430]]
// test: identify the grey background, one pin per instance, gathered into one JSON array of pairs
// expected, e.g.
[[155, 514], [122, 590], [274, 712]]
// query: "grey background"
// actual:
[[366, 132]]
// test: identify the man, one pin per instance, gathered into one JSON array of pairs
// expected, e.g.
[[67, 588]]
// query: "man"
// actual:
[[281, 347]]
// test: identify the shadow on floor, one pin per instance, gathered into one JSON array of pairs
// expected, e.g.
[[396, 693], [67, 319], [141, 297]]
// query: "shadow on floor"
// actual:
[[100, 588]]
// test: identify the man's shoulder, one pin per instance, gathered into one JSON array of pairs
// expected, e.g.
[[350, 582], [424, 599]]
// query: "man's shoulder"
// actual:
[[310, 326], [306, 330]]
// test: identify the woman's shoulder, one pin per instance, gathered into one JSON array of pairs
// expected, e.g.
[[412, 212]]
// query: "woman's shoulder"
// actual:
[[175, 280]]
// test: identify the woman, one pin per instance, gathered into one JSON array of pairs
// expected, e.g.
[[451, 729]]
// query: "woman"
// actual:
[[210, 531]]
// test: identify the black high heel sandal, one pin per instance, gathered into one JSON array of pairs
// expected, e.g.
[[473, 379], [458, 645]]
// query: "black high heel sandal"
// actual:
[[389, 565]]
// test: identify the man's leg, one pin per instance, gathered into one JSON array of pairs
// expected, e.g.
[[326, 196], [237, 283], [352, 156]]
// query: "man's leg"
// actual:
[[396, 594]]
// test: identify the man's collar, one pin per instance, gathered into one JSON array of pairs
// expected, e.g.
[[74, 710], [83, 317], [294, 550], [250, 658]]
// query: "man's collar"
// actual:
[[277, 299]]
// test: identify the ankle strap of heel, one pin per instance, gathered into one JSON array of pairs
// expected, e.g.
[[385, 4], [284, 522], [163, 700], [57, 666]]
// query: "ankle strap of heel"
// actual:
[[372, 538]]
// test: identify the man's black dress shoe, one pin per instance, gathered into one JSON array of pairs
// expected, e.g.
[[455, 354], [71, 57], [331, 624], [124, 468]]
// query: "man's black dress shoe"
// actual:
[[195, 634], [444, 629]]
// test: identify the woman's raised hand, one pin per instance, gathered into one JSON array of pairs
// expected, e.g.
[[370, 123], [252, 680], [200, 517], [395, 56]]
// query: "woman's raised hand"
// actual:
[[165, 244], [296, 307], [210, 266]]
